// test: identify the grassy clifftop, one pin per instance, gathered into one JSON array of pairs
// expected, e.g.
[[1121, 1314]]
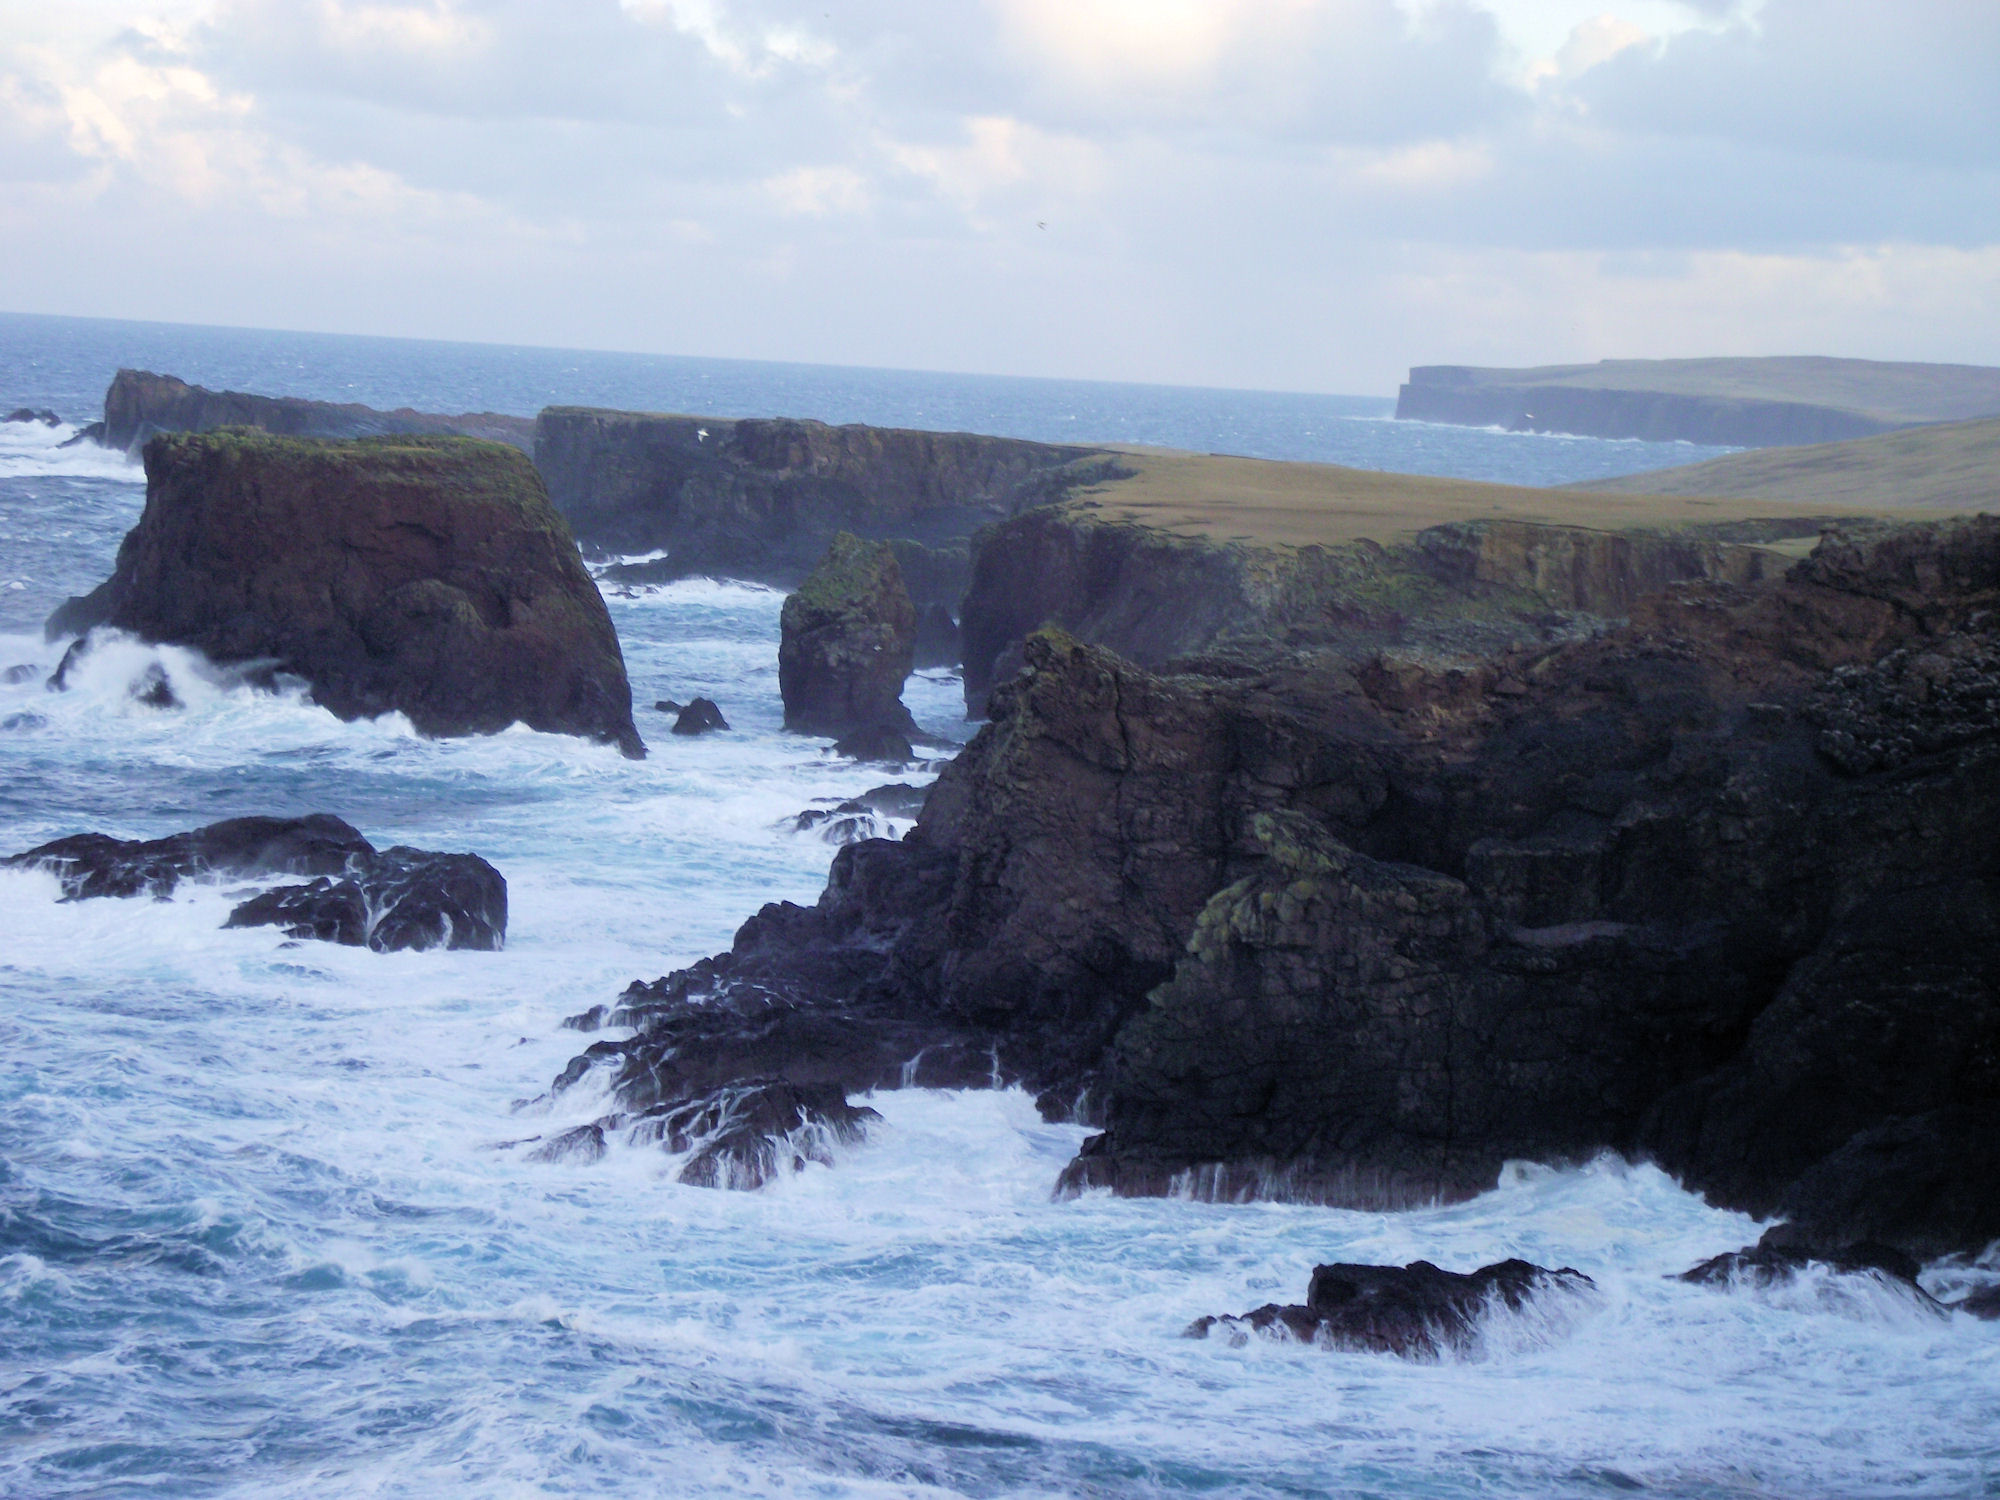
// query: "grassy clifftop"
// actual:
[[1299, 504], [1955, 466]]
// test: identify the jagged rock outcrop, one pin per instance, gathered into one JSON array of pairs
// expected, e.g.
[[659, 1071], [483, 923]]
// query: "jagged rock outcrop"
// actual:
[[761, 499], [701, 716], [383, 899], [847, 640], [421, 575], [140, 404], [1713, 887], [1472, 587], [1416, 1311]]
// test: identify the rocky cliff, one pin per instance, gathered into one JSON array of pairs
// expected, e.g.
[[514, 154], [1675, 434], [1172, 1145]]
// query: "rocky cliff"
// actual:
[[761, 499], [140, 404], [1713, 887], [426, 575], [1153, 596]]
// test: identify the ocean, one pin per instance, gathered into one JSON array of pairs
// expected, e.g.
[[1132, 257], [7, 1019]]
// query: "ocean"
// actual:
[[262, 1232]]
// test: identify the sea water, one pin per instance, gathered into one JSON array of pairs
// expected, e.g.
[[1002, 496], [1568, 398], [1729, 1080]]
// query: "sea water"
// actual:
[[267, 1227]]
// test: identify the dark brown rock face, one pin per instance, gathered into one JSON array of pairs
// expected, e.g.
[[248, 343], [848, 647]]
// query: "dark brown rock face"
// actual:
[[1716, 887], [847, 641], [423, 575], [140, 404]]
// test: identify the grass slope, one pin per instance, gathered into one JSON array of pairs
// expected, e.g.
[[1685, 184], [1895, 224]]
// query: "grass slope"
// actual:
[[1300, 504], [1951, 467]]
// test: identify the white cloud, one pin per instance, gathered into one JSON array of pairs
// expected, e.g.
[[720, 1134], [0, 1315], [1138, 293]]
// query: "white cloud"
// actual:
[[1276, 192]]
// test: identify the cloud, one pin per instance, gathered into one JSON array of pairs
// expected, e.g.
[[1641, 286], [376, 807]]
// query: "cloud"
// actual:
[[1303, 192]]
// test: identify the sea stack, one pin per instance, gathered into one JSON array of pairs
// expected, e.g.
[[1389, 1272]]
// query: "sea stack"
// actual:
[[423, 575], [848, 642]]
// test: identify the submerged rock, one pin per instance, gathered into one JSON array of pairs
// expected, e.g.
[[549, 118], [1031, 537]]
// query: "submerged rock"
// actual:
[[386, 900], [1773, 1260], [668, 706], [29, 414], [154, 689], [742, 1137], [20, 672], [699, 717], [1416, 1311], [428, 576], [847, 643]]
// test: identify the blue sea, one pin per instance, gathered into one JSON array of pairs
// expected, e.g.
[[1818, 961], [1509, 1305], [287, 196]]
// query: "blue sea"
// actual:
[[260, 1234]]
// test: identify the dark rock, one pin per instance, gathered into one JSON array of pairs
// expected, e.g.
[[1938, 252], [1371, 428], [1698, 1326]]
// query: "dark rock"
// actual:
[[584, 1144], [864, 817], [19, 673], [1984, 1303], [1359, 926], [876, 742], [28, 414], [386, 900], [325, 910], [78, 649], [846, 643], [94, 864], [1415, 1311], [1469, 588], [139, 404], [760, 499], [94, 433], [741, 1137], [699, 717], [24, 721], [668, 706], [422, 575], [1778, 1257], [936, 643], [154, 689]]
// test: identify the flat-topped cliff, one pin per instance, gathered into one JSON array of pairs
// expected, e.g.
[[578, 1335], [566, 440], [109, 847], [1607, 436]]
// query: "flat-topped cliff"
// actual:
[[1748, 403], [139, 404], [424, 575], [761, 499], [1183, 554]]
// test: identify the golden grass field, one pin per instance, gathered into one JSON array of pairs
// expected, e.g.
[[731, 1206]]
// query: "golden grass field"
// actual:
[[1299, 504]]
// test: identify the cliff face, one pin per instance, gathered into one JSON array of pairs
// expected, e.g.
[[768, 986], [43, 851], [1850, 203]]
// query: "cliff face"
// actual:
[[1153, 596], [1715, 887], [422, 574], [761, 499], [140, 404]]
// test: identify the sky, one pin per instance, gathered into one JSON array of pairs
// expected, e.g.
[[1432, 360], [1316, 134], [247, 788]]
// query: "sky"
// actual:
[[1283, 194]]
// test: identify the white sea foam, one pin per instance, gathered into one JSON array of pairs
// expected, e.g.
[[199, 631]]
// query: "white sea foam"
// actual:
[[30, 450]]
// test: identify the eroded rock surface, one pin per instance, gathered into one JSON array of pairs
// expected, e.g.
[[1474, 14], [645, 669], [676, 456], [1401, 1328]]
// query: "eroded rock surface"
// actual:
[[428, 576], [386, 899], [1359, 926]]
